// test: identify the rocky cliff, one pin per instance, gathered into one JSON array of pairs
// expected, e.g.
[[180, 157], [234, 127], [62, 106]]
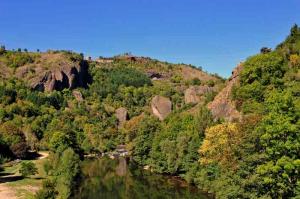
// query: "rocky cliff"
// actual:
[[222, 106], [50, 71]]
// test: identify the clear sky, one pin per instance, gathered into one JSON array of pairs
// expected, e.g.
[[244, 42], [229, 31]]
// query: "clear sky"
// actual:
[[214, 34]]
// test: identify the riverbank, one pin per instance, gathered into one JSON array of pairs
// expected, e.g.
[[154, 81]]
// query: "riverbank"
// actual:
[[14, 186]]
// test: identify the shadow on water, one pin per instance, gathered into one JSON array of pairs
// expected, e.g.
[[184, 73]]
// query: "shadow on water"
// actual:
[[32, 155], [116, 179]]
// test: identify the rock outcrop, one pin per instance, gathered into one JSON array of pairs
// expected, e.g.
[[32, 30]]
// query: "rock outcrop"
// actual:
[[222, 106], [194, 93], [161, 107], [54, 71], [65, 77], [122, 115]]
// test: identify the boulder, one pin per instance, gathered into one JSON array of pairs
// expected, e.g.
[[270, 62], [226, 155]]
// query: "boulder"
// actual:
[[161, 107], [193, 94], [122, 115]]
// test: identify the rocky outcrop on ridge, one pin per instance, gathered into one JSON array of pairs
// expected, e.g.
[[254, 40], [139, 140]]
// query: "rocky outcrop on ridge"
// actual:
[[222, 106], [54, 71]]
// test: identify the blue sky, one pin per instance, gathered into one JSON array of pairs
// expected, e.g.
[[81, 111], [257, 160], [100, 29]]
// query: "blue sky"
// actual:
[[214, 34]]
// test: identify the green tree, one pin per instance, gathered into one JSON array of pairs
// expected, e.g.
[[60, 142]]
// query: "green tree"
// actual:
[[279, 172], [67, 171], [143, 142]]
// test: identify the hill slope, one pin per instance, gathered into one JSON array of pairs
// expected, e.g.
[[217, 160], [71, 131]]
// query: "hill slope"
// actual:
[[237, 139]]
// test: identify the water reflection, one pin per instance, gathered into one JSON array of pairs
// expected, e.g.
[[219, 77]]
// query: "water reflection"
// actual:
[[115, 179]]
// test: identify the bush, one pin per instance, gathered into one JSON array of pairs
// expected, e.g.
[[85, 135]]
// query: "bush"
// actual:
[[48, 191], [263, 68], [211, 83], [27, 169], [17, 59], [196, 81]]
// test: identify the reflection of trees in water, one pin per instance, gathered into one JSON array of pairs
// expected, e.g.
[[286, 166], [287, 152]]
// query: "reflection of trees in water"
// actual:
[[122, 167], [115, 179]]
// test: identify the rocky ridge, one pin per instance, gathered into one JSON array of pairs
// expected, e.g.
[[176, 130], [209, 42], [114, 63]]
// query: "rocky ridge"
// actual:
[[222, 106]]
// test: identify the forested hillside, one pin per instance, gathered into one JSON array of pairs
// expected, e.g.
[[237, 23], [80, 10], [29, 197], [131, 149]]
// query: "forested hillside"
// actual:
[[238, 138]]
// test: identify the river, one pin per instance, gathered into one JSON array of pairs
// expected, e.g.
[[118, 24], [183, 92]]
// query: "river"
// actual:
[[105, 178]]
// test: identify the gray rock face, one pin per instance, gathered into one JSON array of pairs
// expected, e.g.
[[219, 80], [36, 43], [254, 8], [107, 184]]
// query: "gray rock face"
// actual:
[[122, 115], [222, 106], [193, 94], [161, 107], [65, 77]]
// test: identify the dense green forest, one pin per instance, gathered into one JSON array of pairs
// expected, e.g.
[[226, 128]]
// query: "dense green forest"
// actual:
[[256, 156]]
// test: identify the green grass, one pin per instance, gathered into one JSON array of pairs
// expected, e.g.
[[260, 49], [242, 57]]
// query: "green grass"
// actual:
[[25, 188]]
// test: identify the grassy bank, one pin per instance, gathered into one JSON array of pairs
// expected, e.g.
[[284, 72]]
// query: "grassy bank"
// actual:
[[22, 187]]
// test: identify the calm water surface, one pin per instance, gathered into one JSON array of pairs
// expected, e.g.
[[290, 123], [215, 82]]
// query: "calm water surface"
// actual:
[[104, 178]]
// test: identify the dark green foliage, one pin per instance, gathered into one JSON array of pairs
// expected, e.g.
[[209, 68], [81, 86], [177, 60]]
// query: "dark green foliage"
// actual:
[[7, 95], [196, 81], [27, 169], [108, 80], [55, 99], [143, 142], [280, 137], [66, 173], [210, 83], [13, 140], [173, 146], [264, 68], [48, 191], [64, 169]]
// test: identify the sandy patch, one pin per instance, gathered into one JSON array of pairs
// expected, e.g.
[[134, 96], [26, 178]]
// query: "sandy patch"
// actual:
[[7, 192]]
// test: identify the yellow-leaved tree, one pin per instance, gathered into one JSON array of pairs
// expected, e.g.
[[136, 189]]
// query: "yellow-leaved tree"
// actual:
[[220, 145]]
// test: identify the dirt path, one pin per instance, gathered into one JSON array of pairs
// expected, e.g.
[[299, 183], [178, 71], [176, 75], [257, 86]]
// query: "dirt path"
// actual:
[[43, 154], [7, 192]]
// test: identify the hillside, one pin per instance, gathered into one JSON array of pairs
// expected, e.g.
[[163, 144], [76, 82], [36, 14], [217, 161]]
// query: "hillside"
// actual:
[[237, 138]]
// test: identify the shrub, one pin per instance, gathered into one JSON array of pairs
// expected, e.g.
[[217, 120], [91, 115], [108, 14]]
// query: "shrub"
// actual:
[[17, 59], [264, 68], [27, 169], [211, 83], [196, 81], [48, 191]]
